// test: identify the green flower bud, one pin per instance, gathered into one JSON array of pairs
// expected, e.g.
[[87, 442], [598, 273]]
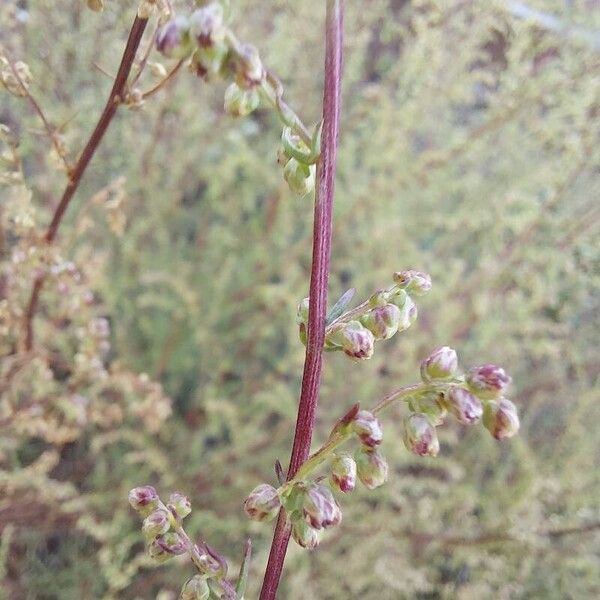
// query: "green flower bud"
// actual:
[[432, 406], [414, 282], [463, 405], [144, 499], [501, 419], [343, 473], [173, 39], [240, 102], [300, 177], [302, 312], [371, 467], [408, 309], [367, 428], [263, 503], [440, 365], [379, 298], [155, 524], [171, 543], [180, 504], [354, 338], [383, 321], [206, 25], [209, 63], [305, 535], [488, 382], [320, 508], [302, 334], [195, 588], [249, 67], [420, 436], [282, 156]]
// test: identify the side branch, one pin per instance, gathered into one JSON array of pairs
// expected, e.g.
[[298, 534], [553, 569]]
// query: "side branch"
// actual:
[[115, 97], [311, 378]]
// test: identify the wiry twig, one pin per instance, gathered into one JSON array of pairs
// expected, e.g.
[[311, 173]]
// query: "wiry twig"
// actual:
[[114, 98]]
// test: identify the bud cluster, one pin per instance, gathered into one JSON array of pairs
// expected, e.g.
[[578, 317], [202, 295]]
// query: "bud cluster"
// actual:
[[384, 314], [468, 398], [16, 77], [160, 520]]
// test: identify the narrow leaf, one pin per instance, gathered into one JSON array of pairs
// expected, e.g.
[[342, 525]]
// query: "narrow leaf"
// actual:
[[340, 306]]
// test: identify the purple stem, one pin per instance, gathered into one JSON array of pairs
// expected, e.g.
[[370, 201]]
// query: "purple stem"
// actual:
[[311, 378]]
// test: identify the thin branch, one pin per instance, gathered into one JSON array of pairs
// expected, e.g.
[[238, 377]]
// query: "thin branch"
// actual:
[[50, 130], [311, 378], [163, 81], [114, 98]]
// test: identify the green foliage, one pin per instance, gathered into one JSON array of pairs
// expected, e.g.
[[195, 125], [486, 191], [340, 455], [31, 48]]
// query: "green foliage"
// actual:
[[468, 149]]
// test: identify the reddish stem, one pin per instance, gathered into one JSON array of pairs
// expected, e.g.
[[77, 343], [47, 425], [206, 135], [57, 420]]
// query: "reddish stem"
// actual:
[[311, 378], [115, 97]]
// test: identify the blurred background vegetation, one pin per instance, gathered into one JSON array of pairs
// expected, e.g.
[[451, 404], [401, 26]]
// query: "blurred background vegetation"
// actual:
[[469, 149]]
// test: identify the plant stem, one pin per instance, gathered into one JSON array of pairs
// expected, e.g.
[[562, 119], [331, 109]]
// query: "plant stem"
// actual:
[[311, 378], [114, 98]]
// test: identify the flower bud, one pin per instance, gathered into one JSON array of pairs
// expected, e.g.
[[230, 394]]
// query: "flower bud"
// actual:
[[354, 338], [488, 382], [320, 508], [180, 504], [209, 63], [156, 552], [206, 25], [343, 473], [379, 298], [144, 499], [240, 102], [501, 419], [371, 467], [440, 365], [195, 588], [250, 71], [408, 309], [302, 313], [432, 405], [171, 543], [368, 428], [95, 5], [420, 436], [300, 177], [155, 524], [414, 282], [173, 40], [302, 333], [383, 321], [305, 535], [466, 407], [263, 503]]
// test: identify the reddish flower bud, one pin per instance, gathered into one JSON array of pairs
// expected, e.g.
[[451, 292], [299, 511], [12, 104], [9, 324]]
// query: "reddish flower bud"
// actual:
[[440, 365], [501, 419], [144, 499], [354, 338], [420, 436], [156, 523], [250, 71], [371, 467], [206, 25], [305, 535], [171, 543], [383, 321], [368, 428], [343, 473], [180, 504], [414, 282], [466, 407], [488, 382], [320, 508], [173, 40], [263, 503]]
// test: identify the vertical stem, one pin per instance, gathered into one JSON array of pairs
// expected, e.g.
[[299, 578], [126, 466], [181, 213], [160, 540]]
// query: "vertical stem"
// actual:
[[311, 378], [114, 98]]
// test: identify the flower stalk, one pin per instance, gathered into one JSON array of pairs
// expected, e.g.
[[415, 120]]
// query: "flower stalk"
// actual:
[[311, 378]]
